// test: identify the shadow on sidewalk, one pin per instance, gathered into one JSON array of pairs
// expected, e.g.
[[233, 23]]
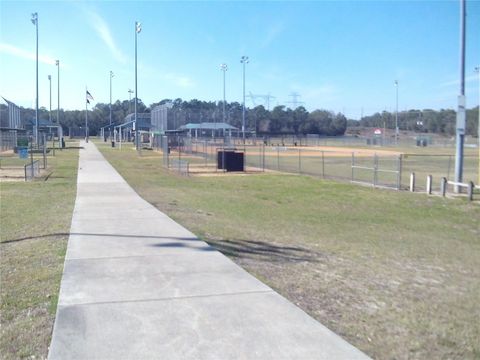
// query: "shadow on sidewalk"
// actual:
[[242, 249], [263, 251], [106, 235]]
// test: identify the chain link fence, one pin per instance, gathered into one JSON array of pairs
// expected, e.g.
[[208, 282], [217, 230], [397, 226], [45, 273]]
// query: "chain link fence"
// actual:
[[32, 170], [25, 161], [363, 166]]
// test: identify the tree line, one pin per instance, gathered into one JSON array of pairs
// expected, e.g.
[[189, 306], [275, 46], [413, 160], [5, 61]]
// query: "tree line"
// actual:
[[429, 121], [279, 120]]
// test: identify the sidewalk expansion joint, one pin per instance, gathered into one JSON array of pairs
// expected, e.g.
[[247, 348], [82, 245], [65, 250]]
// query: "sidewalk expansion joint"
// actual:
[[127, 256], [169, 298]]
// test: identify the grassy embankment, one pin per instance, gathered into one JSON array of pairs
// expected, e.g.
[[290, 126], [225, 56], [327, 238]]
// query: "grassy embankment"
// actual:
[[35, 221], [396, 274]]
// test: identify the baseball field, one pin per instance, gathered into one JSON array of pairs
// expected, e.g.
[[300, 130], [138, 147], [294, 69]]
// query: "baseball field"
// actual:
[[395, 273]]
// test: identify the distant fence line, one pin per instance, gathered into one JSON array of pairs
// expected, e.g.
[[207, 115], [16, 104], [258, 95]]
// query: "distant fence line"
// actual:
[[320, 140], [361, 166]]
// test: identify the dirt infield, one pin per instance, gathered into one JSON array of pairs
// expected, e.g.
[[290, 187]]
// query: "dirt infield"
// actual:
[[211, 170], [316, 151], [12, 174], [348, 150]]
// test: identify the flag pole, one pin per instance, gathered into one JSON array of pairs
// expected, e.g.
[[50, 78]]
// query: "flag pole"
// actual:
[[86, 115]]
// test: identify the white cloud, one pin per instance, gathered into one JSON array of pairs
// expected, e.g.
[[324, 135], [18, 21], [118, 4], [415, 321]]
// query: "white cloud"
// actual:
[[176, 79], [103, 31], [25, 54], [457, 82], [321, 96], [272, 33], [179, 80]]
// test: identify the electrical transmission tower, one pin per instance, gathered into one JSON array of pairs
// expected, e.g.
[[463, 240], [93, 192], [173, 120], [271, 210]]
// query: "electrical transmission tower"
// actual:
[[295, 103], [266, 99]]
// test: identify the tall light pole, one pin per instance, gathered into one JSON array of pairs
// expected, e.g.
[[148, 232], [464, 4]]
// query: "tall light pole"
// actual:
[[224, 68], [138, 28], [396, 113], [460, 131], [110, 127], [477, 69], [35, 22], [130, 92], [57, 63], [244, 61], [50, 109]]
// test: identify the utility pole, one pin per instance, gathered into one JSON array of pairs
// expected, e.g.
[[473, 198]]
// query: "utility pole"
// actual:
[[477, 69], [396, 113], [57, 63], [244, 60], [59, 131], [138, 28], [460, 130], [224, 68], [110, 127], [35, 22], [130, 92], [86, 114], [50, 108]]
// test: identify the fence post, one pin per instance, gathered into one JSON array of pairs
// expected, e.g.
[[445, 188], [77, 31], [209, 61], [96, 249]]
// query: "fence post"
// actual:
[[260, 156], [429, 184], [263, 157], [449, 166], [205, 150], [470, 190], [412, 182], [375, 167], [299, 161], [443, 186], [353, 165], [25, 170], [278, 157], [399, 172], [44, 151], [323, 164], [31, 156]]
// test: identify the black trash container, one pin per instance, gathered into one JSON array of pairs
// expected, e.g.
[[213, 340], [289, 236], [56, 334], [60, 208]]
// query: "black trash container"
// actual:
[[230, 160]]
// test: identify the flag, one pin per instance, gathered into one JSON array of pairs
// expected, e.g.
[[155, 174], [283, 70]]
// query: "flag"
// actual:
[[89, 96]]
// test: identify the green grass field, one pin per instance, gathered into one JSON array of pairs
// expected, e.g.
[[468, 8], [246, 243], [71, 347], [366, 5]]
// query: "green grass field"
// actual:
[[396, 274], [35, 221]]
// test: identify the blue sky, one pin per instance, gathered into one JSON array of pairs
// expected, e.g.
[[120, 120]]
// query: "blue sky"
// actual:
[[338, 55]]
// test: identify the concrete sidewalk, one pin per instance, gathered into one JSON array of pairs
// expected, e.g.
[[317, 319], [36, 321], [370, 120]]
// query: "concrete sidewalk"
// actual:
[[137, 285]]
